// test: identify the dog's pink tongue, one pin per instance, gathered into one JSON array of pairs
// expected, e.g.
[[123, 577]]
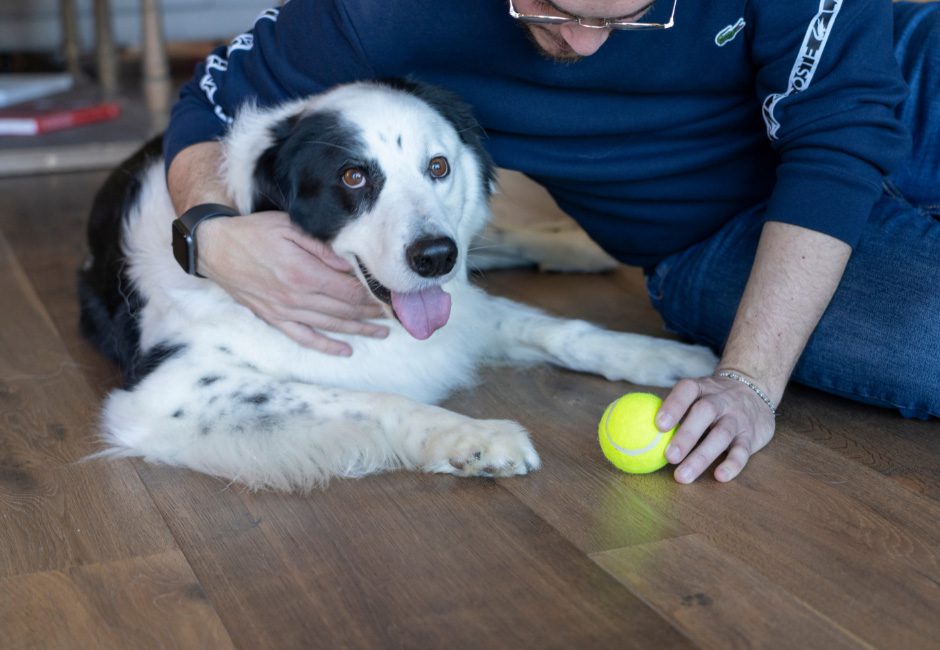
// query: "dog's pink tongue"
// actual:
[[422, 312]]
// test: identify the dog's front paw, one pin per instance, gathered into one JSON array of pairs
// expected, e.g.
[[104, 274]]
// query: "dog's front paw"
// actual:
[[667, 362], [481, 448]]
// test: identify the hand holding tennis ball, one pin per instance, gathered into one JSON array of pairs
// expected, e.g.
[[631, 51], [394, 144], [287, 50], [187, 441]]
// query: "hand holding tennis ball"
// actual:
[[629, 437]]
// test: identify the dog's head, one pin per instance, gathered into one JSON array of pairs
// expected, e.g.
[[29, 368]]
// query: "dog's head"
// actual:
[[392, 174]]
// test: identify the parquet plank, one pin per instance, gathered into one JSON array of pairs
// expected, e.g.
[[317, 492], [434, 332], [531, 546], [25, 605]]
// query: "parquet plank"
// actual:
[[34, 367], [75, 515], [257, 596], [47, 424], [718, 601], [143, 602], [43, 219], [400, 560], [906, 451]]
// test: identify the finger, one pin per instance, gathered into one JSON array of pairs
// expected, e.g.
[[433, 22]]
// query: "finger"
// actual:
[[312, 319], [321, 251], [326, 281], [714, 444], [737, 458], [313, 311], [698, 420], [677, 402], [330, 306], [313, 340]]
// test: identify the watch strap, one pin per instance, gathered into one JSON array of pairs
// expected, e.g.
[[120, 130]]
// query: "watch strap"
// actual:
[[185, 246]]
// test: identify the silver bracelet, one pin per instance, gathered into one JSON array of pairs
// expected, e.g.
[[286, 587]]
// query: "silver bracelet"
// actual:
[[730, 374]]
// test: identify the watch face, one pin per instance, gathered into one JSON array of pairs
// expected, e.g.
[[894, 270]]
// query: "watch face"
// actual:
[[183, 247]]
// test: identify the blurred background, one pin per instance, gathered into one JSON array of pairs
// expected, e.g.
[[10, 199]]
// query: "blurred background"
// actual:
[[84, 82]]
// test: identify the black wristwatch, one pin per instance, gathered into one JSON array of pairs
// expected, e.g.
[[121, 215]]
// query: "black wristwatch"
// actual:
[[184, 232]]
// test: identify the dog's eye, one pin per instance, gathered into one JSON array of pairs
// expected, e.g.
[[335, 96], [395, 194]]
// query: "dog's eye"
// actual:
[[438, 167], [354, 178]]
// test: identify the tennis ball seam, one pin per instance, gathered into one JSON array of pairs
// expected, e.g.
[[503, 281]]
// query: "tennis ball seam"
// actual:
[[624, 450]]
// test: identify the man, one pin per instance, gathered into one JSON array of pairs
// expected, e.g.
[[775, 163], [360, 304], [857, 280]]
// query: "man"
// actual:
[[735, 150]]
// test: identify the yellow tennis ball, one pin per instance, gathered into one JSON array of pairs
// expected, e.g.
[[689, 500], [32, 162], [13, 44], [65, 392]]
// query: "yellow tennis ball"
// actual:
[[629, 437]]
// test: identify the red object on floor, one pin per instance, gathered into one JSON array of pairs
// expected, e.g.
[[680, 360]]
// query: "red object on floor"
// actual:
[[32, 122]]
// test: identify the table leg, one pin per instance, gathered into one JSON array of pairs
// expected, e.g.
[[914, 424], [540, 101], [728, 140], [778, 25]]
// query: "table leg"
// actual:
[[71, 39], [156, 74], [104, 46]]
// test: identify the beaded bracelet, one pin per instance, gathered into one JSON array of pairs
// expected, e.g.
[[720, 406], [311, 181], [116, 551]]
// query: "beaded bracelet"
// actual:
[[730, 374]]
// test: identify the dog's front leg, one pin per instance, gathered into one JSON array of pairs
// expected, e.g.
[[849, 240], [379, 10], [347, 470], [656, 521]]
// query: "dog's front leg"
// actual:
[[433, 439], [526, 335], [227, 419]]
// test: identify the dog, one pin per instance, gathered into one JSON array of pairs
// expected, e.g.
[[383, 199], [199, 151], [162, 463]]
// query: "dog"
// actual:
[[211, 387]]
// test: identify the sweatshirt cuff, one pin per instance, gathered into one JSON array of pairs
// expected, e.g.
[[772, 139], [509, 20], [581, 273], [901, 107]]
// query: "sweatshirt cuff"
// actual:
[[833, 202], [189, 125]]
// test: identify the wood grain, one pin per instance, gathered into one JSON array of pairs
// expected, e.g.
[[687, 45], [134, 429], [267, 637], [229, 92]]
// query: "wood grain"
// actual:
[[144, 602], [400, 560], [719, 601], [34, 366], [75, 515]]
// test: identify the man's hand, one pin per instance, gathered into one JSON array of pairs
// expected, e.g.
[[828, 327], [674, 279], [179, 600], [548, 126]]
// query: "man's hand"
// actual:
[[729, 415], [795, 273], [290, 280]]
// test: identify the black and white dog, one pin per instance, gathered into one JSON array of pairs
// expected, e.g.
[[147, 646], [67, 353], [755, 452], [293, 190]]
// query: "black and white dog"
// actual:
[[212, 387]]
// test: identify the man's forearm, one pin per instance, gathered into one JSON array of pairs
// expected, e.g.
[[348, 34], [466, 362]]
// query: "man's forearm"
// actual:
[[795, 274], [193, 177]]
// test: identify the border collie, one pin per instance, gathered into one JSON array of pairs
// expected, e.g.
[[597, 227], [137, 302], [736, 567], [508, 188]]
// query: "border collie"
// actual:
[[211, 387]]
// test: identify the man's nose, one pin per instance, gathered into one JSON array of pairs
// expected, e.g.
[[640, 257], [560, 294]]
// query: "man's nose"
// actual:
[[585, 41]]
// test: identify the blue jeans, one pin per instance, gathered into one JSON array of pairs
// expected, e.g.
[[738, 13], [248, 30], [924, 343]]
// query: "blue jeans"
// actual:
[[879, 340]]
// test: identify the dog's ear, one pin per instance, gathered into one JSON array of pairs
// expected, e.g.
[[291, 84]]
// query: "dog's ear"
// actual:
[[458, 113], [268, 186]]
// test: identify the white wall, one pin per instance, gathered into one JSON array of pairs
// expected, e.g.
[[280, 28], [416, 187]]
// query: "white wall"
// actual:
[[33, 25]]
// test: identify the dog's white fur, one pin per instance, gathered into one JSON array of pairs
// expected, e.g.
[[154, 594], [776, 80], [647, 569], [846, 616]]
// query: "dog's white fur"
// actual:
[[243, 401]]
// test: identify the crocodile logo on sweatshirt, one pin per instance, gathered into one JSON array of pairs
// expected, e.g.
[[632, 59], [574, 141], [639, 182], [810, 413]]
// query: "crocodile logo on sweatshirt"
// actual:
[[729, 33]]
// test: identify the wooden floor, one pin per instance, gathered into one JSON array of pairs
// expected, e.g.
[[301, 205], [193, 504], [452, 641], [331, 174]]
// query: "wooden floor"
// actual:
[[830, 539]]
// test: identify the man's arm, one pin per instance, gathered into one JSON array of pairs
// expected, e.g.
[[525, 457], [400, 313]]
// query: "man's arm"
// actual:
[[828, 83], [200, 161], [795, 275], [292, 281]]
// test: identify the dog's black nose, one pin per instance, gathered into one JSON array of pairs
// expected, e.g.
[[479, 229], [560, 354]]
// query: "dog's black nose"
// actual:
[[432, 257]]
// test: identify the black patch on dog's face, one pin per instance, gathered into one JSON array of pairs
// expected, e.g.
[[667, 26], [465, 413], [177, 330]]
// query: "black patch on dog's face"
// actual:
[[302, 173]]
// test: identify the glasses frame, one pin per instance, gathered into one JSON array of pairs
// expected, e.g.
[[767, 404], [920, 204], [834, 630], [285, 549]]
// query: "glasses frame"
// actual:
[[605, 23]]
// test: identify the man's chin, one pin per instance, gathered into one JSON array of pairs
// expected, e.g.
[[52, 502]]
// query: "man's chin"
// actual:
[[551, 46]]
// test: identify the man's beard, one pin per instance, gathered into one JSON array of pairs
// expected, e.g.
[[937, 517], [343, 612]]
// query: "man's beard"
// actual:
[[564, 53]]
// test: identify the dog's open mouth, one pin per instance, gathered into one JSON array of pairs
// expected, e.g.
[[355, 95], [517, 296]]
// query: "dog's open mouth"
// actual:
[[420, 312]]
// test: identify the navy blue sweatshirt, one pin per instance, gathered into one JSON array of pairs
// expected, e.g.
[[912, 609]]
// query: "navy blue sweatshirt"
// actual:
[[653, 143]]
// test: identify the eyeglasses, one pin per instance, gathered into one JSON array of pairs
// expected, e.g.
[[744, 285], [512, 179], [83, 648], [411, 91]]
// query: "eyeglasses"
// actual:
[[591, 23]]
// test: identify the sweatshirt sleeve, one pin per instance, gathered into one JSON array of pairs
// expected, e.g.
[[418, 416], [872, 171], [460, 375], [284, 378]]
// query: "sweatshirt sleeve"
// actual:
[[829, 86], [299, 49]]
